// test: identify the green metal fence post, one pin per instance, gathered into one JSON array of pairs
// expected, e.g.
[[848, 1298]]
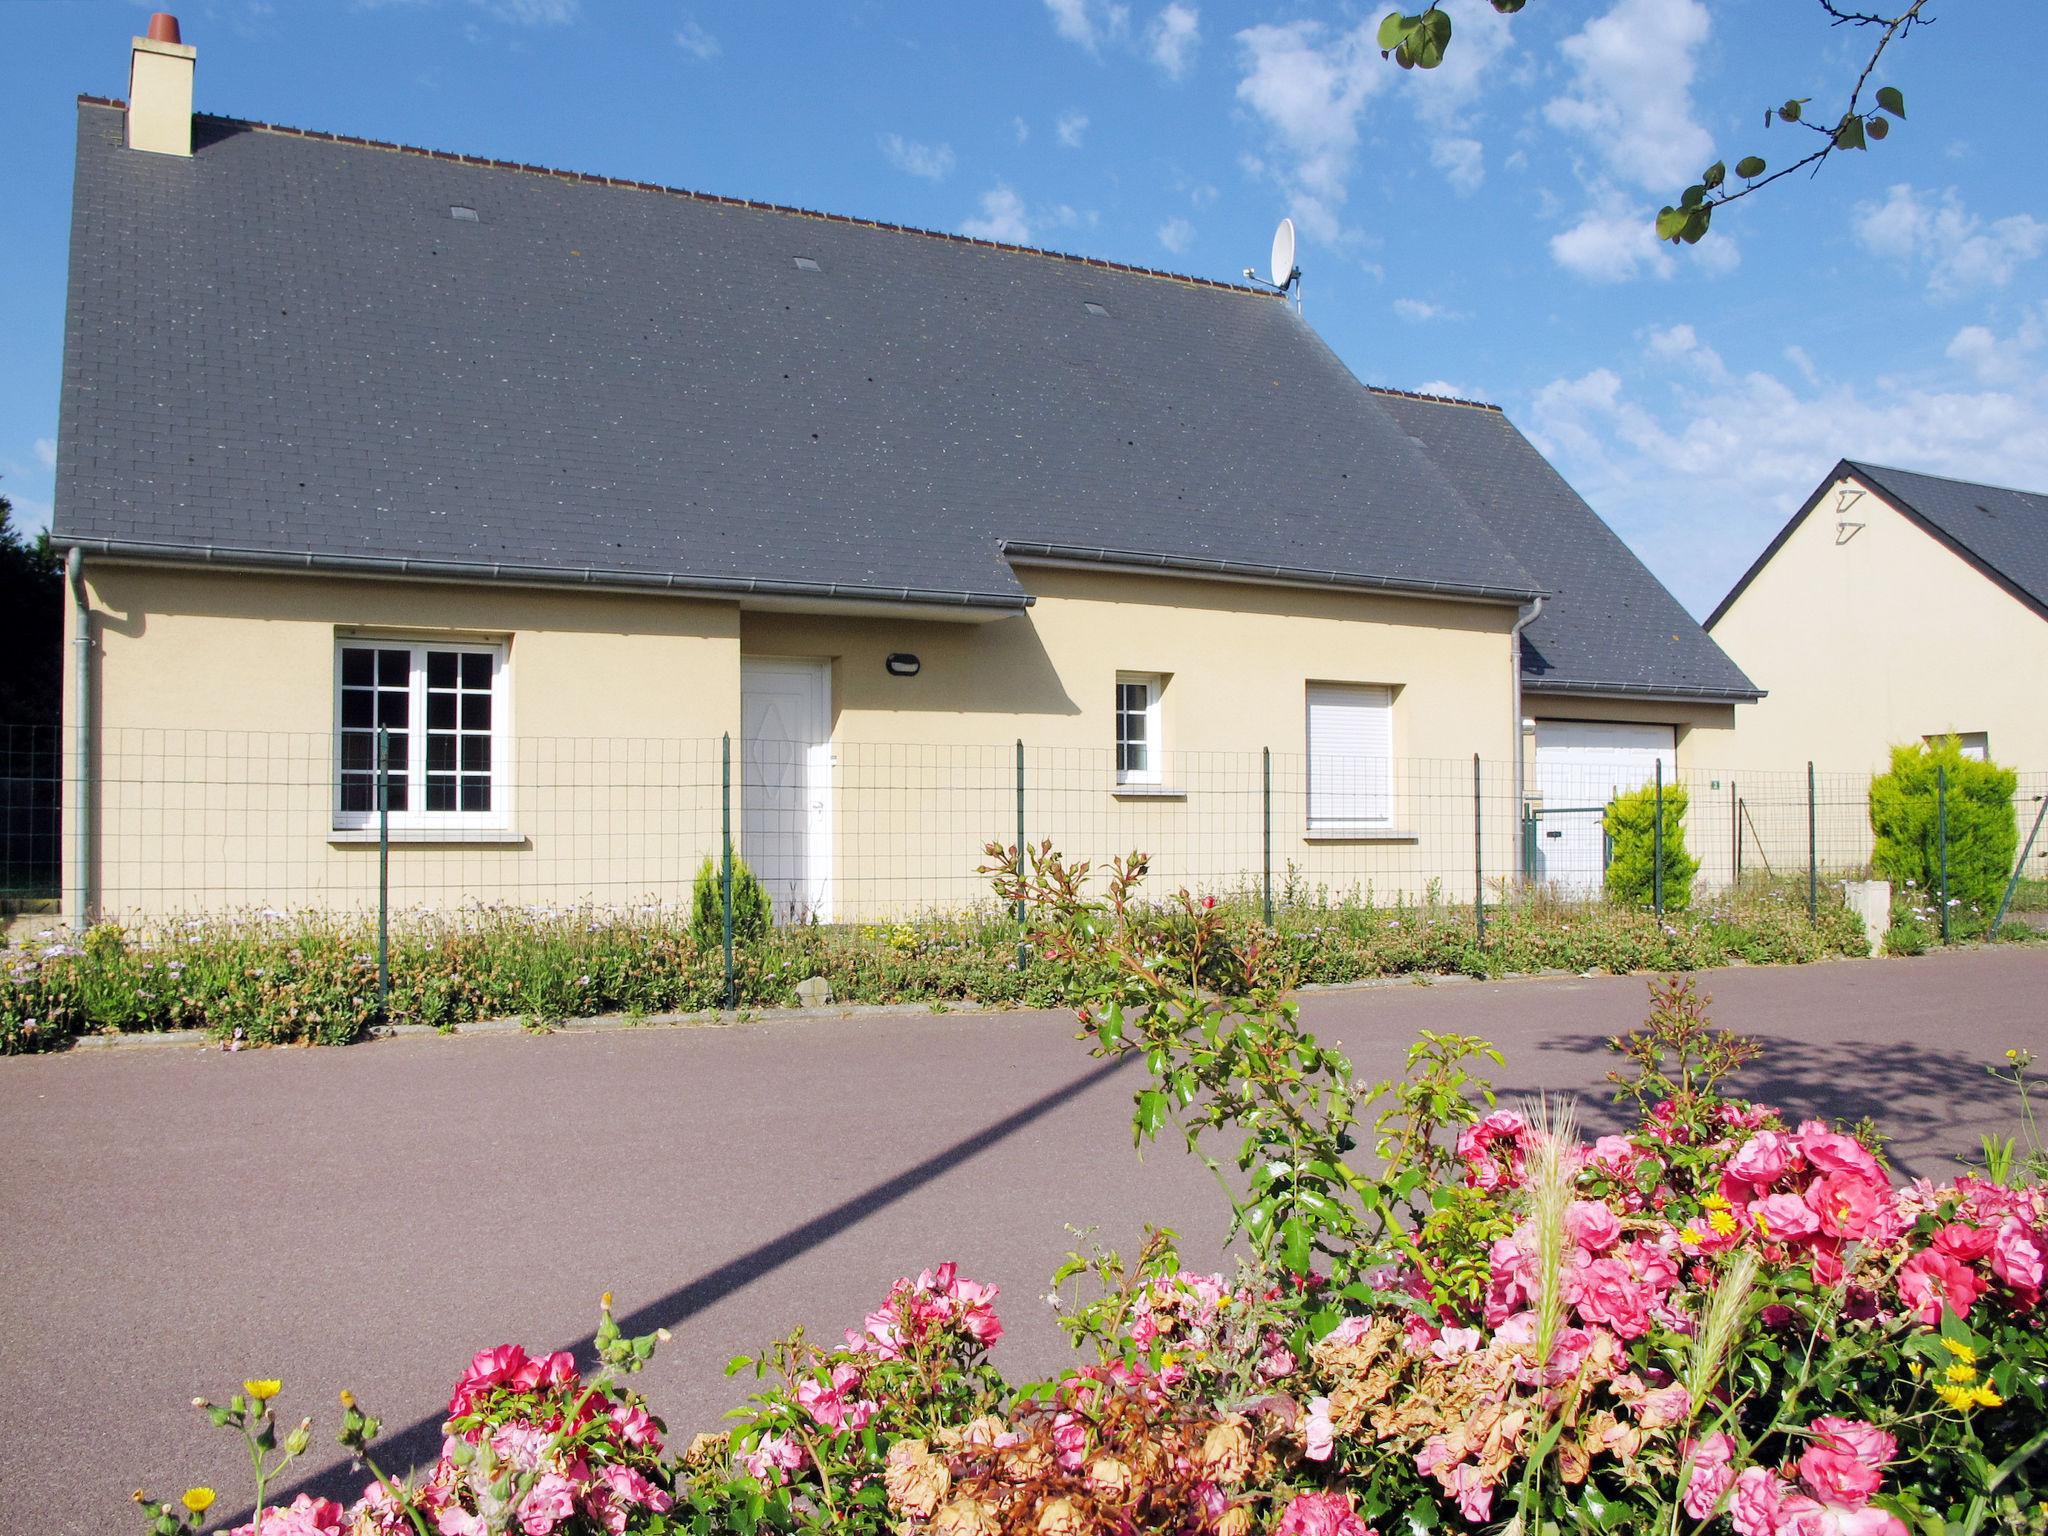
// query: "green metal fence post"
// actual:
[[1941, 836], [1266, 757], [1478, 859], [1812, 848], [1734, 838], [383, 871], [725, 861], [2019, 869], [1023, 950], [1657, 847]]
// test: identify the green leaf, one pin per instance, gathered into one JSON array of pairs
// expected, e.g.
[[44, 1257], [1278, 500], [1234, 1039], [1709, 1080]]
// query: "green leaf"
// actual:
[[1790, 111], [1692, 196], [1749, 167], [1670, 223], [1151, 1112], [1714, 175], [1297, 1245], [1393, 28], [1889, 100], [1850, 134], [1695, 225], [1877, 127]]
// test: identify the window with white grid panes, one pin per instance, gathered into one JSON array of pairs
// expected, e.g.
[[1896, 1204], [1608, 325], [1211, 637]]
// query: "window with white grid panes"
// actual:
[[440, 706]]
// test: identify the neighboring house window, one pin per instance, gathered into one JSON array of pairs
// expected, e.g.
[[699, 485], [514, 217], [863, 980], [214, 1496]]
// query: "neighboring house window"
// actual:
[[1137, 728], [1976, 744], [1350, 755], [440, 706]]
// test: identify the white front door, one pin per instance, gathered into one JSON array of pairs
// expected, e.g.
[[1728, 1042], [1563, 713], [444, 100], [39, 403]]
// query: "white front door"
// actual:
[[1580, 766], [786, 783]]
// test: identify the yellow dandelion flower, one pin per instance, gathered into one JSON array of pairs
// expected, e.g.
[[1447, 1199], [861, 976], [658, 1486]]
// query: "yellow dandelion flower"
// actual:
[[1960, 1350], [1689, 1238], [198, 1500], [1723, 1223], [1962, 1375], [1984, 1397], [1962, 1399], [263, 1391], [1916, 1368]]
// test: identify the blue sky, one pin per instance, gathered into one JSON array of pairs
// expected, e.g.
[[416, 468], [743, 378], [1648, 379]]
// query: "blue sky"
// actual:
[[1482, 230]]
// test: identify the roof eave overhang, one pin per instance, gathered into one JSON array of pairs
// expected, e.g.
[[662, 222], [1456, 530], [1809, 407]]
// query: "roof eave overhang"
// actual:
[[1201, 568], [1639, 693], [751, 593]]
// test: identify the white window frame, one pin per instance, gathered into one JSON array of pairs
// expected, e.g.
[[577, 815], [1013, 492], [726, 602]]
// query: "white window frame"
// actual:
[[1154, 685], [1380, 694], [415, 817], [1975, 745]]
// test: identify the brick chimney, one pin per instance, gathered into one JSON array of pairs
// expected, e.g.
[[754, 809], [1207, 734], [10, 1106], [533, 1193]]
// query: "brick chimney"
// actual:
[[160, 90]]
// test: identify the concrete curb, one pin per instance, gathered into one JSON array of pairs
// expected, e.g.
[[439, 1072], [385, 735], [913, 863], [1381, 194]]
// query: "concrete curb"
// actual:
[[715, 1018]]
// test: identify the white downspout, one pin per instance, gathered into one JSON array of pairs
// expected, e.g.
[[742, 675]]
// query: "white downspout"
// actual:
[[78, 893], [1531, 612]]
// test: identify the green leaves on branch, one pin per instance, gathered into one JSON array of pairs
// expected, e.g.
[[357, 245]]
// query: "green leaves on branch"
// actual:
[[1417, 42]]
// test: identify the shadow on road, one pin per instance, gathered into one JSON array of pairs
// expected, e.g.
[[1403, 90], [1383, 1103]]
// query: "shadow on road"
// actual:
[[1911, 1091], [420, 1442]]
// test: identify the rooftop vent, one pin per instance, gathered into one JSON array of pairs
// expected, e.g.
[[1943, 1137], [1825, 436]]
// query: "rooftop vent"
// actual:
[[467, 215], [1093, 308], [805, 264]]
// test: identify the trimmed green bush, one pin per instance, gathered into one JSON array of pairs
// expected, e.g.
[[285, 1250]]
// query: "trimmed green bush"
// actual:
[[1983, 837], [752, 911], [1631, 823]]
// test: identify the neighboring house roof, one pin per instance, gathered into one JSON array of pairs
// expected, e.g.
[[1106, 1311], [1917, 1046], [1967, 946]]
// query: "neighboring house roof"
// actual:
[[2003, 533], [1608, 625], [289, 350]]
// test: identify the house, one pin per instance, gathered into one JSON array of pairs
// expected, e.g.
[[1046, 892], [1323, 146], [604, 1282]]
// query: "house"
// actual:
[[1894, 607], [559, 481]]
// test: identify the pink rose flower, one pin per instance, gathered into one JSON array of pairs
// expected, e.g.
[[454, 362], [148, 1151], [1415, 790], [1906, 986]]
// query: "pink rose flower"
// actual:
[[556, 1370], [1453, 1342], [1784, 1217], [1832, 1152], [1473, 1493], [1931, 1280], [1836, 1476], [489, 1368], [1607, 1295], [1591, 1225], [550, 1501], [1709, 1474], [635, 1425], [1866, 1442], [1511, 1281], [1964, 1243], [1319, 1438], [2020, 1258], [1845, 1203], [774, 1458], [1759, 1497], [1802, 1516], [1321, 1514], [1763, 1159], [1663, 1406]]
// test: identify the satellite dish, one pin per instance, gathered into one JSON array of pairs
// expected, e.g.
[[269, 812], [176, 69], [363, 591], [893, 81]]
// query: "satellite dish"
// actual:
[[1282, 269]]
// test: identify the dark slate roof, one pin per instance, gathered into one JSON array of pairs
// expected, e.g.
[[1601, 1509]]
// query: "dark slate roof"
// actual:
[[2002, 533], [286, 346], [1608, 626]]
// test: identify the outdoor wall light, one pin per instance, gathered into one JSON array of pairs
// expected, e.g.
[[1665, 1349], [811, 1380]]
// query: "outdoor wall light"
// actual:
[[903, 664]]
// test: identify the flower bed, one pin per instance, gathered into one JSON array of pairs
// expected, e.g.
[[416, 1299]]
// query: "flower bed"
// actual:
[[1716, 1321], [276, 978]]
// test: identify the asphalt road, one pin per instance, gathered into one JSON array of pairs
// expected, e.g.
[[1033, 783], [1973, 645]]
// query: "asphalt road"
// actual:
[[178, 1220]]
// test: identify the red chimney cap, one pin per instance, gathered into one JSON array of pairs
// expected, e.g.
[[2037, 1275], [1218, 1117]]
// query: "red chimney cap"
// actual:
[[163, 28]]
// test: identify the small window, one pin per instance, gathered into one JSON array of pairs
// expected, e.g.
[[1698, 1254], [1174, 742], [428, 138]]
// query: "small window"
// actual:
[[1137, 728], [465, 215], [1350, 755], [1093, 308], [806, 264], [440, 709], [1976, 745]]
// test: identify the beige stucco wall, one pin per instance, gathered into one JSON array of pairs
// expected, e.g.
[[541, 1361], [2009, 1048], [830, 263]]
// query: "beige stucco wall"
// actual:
[[926, 765], [214, 724], [1882, 638]]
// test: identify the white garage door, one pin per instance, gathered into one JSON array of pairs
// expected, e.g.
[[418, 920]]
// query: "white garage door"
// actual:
[[1580, 766]]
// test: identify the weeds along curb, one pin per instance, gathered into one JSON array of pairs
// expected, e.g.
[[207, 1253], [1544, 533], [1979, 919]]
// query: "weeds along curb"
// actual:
[[604, 1023]]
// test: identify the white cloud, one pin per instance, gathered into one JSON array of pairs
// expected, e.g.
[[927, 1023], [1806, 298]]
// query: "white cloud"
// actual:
[[1444, 389], [535, 13], [1176, 234], [1309, 90], [1673, 341], [1002, 217], [1174, 35], [934, 162], [1697, 468], [1962, 253], [1480, 37], [46, 452], [1021, 128], [1070, 127], [695, 41], [1462, 161], [1419, 310], [1613, 241], [1089, 22], [1991, 359], [1631, 92]]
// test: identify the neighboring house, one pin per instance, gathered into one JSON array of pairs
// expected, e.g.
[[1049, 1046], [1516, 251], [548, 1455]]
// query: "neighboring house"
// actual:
[[559, 479], [1894, 607]]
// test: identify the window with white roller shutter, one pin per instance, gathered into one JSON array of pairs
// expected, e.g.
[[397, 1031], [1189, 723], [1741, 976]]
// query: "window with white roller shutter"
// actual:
[[1350, 755]]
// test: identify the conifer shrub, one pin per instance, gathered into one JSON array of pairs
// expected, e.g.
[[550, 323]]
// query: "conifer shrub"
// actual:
[[1631, 825], [1983, 836]]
